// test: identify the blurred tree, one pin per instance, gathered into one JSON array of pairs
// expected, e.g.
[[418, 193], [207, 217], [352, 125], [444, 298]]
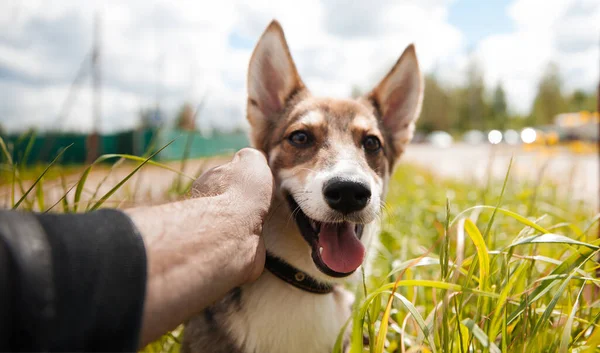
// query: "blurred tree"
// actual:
[[516, 121], [580, 100], [472, 111], [436, 112], [150, 118], [457, 109], [499, 108], [460, 112], [549, 100], [186, 118]]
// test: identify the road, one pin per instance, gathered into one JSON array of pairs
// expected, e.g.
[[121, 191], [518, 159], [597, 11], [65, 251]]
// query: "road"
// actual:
[[578, 173]]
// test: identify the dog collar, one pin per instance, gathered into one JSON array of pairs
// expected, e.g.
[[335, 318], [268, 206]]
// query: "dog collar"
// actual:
[[295, 277]]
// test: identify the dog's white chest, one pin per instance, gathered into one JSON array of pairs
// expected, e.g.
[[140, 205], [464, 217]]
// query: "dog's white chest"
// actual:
[[276, 317]]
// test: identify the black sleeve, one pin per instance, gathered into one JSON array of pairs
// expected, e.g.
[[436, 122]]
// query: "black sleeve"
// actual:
[[70, 282]]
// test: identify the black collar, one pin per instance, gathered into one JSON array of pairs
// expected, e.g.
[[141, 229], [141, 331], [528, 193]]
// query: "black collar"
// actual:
[[295, 277]]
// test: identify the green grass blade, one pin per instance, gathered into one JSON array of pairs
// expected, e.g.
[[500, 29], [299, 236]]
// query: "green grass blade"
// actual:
[[593, 341], [28, 148], [85, 174], [16, 180], [5, 152], [99, 186], [41, 176], [488, 228], [358, 322], [63, 199], [591, 224], [151, 162], [418, 318], [339, 342], [12, 187], [383, 326], [566, 335], [116, 187], [551, 238], [573, 262], [550, 307], [481, 336], [445, 274], [372, 313], [40, 195], [356, 342], [80, 185], [423, 261], [9, 160], [506, 212], [503, 300], [482, 252]]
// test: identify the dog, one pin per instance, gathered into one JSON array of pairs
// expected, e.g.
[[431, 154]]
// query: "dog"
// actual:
[[331, 160]]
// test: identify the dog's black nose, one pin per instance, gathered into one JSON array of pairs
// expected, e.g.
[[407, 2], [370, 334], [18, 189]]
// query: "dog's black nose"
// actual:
[[346, 196]]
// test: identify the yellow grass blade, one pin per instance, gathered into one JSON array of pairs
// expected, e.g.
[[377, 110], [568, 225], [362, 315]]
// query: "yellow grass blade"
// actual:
[[482, 252]]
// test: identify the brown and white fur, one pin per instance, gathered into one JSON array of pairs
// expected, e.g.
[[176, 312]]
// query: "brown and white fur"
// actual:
[[269, 315]]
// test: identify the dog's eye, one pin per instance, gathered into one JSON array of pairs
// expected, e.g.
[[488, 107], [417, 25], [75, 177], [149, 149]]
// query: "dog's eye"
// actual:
[[371, 144], [299, 138]]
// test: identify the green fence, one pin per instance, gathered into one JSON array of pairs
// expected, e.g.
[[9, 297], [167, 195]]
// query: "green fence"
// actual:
[[30, 148], [191, 144]]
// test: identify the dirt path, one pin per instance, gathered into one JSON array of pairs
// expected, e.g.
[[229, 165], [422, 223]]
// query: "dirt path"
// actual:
[[149, 185], [577, 173]]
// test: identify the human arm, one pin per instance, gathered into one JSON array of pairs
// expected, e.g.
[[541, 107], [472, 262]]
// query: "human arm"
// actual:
[[201, 248], [78, 282]]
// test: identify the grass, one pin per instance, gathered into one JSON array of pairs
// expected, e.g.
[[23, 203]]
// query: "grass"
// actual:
[[467, 277], [502, 267]]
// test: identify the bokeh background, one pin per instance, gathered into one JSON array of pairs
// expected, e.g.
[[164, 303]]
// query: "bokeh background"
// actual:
[[513, 59], [130, 76]]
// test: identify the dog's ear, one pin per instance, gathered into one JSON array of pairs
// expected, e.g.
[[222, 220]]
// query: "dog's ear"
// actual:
[[397, 99], [272, 81]]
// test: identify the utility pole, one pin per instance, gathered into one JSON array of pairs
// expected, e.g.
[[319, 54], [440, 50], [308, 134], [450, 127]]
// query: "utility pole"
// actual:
[[94, 142]]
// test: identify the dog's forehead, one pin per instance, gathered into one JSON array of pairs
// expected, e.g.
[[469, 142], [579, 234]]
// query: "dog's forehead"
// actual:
[[340, 114]]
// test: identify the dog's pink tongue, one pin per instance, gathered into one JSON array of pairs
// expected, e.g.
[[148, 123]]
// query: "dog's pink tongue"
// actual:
[[342, 251]]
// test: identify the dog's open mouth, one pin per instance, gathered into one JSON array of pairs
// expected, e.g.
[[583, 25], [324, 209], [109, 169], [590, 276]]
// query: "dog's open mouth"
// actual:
[[336, 247]]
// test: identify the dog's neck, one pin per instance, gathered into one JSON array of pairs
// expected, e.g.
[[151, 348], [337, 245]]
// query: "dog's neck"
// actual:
[[296, 277]]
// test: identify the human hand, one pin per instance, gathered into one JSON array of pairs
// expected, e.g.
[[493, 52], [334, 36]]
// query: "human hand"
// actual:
[[243, 189], [201, 248]]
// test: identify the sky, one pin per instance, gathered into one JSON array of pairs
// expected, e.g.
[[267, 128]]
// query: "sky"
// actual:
[[169, 52]]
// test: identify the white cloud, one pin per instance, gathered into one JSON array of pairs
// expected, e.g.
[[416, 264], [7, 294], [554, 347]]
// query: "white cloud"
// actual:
[[167, 49], [181, 51], [562, 31], [187, 50]]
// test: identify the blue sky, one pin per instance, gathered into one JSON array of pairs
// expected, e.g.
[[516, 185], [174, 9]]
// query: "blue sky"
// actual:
[[198, 51], [478, 19]]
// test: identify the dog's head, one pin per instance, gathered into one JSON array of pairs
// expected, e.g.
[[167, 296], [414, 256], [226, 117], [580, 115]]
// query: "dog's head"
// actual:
[[331, 158]]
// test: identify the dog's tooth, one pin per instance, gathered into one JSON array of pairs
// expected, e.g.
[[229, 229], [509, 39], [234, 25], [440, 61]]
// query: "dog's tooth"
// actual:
[[320, 250]]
